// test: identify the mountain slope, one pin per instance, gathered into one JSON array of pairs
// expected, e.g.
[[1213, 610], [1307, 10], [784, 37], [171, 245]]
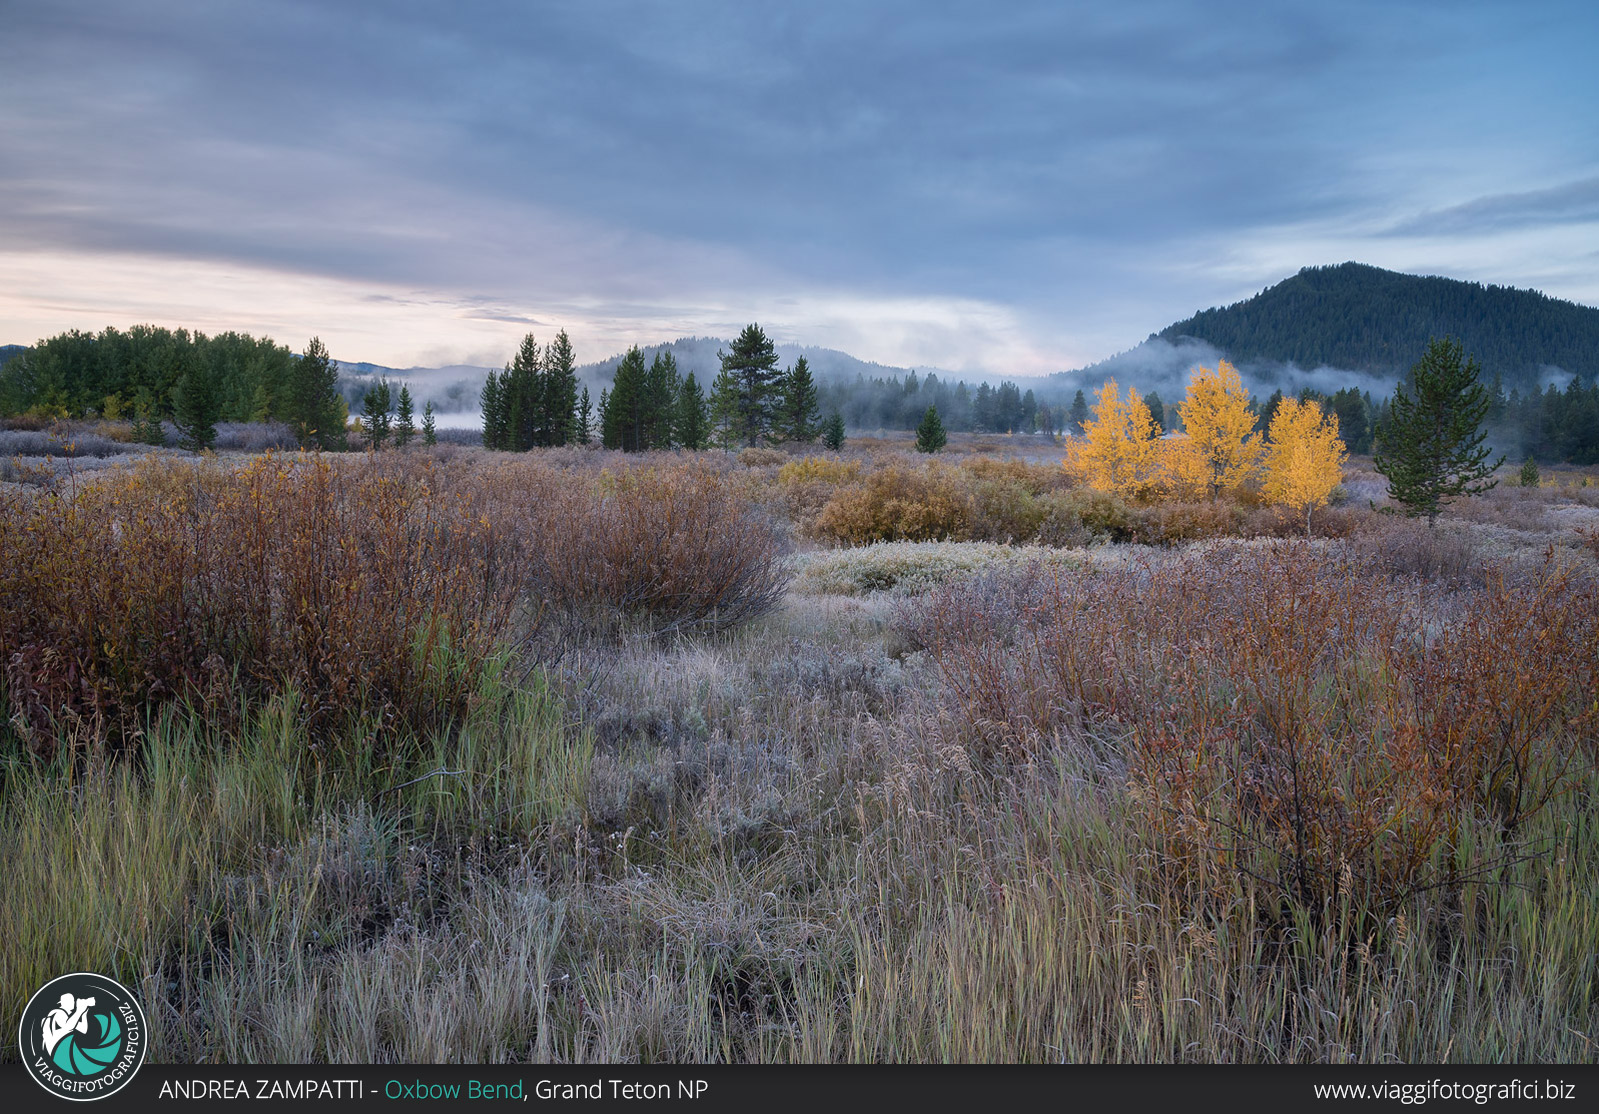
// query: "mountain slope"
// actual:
[[1367, 319]]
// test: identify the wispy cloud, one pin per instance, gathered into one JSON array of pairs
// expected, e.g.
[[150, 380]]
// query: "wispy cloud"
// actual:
[[1572, 203]]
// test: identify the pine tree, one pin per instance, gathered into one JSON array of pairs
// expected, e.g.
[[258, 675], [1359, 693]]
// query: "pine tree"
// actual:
[[622, 413], [522, 385], [313, 405], [494, 422], [1079, 413], [726, 430], [430, 433], [404, 427], [1431, 448], [558, 421], [194, 410], [692, 426], [748, 380], [1157, 411], [583, 432], [797, 403], [930, 434], [1529, 473], [375, 406], [833, 432], [147, 429], [661, 387]]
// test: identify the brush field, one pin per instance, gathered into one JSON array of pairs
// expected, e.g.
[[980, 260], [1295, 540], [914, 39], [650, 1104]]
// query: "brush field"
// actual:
[[448, 755]]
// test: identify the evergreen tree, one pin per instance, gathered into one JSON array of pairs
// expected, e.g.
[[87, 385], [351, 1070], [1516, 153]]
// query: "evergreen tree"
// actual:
[[375, 405], [726, 430], [1529, 473], [404, 427], [558, 421], [692, 427], [522, 385], [430, 434], [1079, 413], [1157, 411], [313, 404], [749, 380], [659, 409], [194, 410], [622, 413], [147, 428], [1431, 448], [495, 426], [584, 430], [833, 432], [797, 404], [930, 434]]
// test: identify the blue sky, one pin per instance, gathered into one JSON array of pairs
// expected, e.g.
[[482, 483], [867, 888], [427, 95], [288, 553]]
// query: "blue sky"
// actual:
[[1016, 188]]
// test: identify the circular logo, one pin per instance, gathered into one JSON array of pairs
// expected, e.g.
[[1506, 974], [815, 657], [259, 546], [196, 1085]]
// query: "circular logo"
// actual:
[[83, 1036]]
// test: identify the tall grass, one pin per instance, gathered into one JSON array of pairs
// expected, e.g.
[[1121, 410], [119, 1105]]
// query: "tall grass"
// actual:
[[1255, 802]]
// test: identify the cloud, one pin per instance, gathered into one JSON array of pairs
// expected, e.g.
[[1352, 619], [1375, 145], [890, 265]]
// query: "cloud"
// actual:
[[1572, 203]]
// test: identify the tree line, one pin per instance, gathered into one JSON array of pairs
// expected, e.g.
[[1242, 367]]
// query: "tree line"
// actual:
[[536, 401], [152, 375], [1362, 317]]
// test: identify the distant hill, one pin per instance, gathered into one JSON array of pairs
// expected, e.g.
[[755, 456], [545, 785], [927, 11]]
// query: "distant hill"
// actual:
[[7, 351], [1365, 319], [698, 354]]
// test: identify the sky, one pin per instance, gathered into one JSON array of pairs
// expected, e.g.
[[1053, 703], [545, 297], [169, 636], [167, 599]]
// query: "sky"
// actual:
[[1012, 188]]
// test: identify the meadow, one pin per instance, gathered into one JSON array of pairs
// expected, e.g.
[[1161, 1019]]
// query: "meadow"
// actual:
[[571, 755]]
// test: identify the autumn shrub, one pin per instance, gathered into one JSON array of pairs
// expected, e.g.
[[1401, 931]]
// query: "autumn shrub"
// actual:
[[1280, 718], [899, 503], [818, 469], [679, 547], [1082, 514], [759, 456], [366, 592], [1178, 523], [1407, 548]]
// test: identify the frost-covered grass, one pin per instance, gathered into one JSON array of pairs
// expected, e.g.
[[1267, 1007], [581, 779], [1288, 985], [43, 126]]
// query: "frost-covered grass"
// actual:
[[906, 568]]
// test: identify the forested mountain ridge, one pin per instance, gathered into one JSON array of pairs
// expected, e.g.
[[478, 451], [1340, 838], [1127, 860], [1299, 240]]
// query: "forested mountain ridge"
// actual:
[[1363, 318]]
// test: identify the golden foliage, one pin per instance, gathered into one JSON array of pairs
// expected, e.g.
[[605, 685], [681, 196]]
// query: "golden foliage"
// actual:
[[1118, 452], [1222, 449], [1306, 457]]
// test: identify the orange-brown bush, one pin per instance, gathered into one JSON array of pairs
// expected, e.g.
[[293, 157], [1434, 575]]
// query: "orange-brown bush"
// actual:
[[1288, 714], [367, 590], [899, 503], [678, 546]]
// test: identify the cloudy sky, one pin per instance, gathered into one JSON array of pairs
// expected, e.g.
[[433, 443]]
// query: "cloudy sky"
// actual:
[[1014, 187]]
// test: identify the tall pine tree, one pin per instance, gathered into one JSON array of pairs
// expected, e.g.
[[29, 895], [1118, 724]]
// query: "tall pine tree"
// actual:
[[692, 425], [557, 425], [746, 394], [797, 411], [1431, 447]]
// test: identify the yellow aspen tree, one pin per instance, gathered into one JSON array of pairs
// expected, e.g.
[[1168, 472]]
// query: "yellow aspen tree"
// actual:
[[1305, 459], [1119, 452], [1222, 448]]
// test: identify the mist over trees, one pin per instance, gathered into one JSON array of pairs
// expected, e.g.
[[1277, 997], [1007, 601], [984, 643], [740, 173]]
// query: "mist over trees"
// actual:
[[1367, 319]]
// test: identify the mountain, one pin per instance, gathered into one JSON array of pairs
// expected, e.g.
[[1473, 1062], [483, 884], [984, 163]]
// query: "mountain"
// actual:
[[699, 355], [8, 351], [1369, 320]]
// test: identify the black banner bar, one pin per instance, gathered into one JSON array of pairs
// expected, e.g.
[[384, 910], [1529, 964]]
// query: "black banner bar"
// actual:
[[707, 1089]]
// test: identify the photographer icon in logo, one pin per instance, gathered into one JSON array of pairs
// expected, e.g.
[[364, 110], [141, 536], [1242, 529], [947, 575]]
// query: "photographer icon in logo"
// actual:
[[82, 1036]]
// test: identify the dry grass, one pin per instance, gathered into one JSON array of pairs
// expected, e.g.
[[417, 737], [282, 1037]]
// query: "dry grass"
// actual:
[[1030, 811]]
